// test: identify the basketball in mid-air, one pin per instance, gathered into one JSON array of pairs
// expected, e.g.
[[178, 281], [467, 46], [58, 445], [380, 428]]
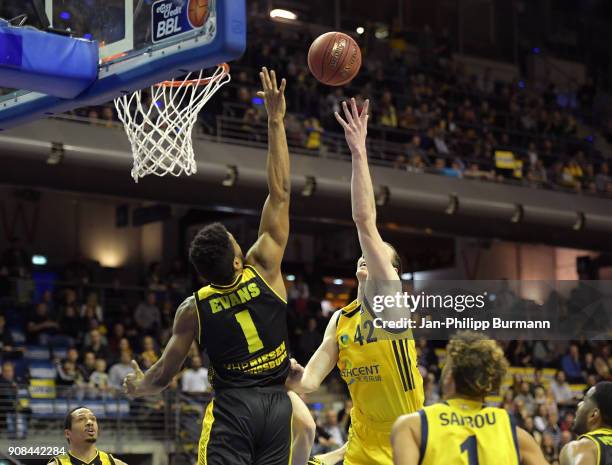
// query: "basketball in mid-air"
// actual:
[[334, 58], [198, 12]]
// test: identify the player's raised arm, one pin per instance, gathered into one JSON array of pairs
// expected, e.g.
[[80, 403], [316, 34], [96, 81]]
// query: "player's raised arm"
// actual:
[[374, 249], [157, 378], [267, 252]]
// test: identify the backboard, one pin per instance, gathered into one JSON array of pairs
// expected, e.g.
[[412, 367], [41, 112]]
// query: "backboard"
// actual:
[[141, 42]]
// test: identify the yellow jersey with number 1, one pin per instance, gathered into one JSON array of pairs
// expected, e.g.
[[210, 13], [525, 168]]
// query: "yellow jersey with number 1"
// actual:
[[381, 374], [464, 432]]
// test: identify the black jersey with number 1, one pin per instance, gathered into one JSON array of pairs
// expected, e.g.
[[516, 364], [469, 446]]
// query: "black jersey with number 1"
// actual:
[[244, 329]]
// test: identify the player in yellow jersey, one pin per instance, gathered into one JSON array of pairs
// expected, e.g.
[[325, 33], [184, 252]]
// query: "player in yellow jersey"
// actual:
[[81, 432], [462, 430], [594, 425], [381, 374]]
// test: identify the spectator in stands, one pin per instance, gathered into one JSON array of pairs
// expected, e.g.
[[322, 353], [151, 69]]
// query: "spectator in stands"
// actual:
[[407, 119], [314, 131], [115, 337], [155, 280], [16, 259], [149, 351], [96, 343], [431, 389], [69, 381], [344, 416], [529, 426], [108, 116], [561, 390], [551, 453], [178, 279], [70, 322], [40, 326], [120, 370], [147, 315], [333, 430], [194, 380], [388, 113], [538, 381], [8, 394], [525, 396], [167, 319], [92, 308], [541, 418], [589, 365], [88, 366], [570, 364], [553, 427], [72, 355], [7, 344], [603, 181], [310, 339], [98, 385]]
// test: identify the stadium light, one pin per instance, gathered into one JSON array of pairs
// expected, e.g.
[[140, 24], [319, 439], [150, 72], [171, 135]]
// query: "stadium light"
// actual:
[[279, 13], [360, 30], [39, 260], [290, 277], [338, 282]]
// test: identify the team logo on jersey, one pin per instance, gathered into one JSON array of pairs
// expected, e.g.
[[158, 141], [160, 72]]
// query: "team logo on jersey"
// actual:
[[364, 373], [344, 340]]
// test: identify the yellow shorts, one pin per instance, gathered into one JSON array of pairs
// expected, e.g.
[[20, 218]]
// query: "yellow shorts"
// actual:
[[368, 445]]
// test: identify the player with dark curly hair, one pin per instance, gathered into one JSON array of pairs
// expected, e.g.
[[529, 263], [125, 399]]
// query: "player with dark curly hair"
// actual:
[[462, 429], [240, 317], [594, 425]]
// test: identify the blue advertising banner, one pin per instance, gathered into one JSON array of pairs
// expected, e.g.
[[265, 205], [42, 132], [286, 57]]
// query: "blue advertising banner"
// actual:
[[175, 17]]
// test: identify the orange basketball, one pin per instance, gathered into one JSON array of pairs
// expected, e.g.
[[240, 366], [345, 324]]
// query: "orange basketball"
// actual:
[[198, 12], [334, 58]]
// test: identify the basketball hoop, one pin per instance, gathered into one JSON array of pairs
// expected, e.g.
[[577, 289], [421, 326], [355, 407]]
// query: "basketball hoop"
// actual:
[[160, 130]]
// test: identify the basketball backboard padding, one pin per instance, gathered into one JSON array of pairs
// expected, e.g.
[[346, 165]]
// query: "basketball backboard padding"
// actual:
[[202, 49], [56, 65]]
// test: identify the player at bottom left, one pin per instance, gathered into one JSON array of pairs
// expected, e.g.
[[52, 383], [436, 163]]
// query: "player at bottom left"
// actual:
[[81, 432]]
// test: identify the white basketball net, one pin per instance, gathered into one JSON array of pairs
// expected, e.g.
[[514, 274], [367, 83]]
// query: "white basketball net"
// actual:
[[159, 128]]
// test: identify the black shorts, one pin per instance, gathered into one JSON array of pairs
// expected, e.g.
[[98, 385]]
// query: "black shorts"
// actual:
[[249, 426]]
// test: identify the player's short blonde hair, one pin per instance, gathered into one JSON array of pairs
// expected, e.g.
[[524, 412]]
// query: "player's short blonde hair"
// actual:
[[477, 364]]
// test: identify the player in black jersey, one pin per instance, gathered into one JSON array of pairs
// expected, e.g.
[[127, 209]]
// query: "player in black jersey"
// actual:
[[81, 432], [593, 424], [240, 318]]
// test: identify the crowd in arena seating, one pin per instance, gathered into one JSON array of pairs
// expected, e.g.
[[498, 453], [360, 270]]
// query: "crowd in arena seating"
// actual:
[[429, 114], [92, 334]]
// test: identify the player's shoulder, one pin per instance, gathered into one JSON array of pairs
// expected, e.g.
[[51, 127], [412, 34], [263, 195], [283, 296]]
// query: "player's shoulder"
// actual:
[[409, 423], [580, 446]]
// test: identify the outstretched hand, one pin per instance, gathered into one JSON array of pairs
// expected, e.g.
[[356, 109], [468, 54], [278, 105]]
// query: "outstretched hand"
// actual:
[[296, 371], [133, 380], [355, 126], [274, 97]]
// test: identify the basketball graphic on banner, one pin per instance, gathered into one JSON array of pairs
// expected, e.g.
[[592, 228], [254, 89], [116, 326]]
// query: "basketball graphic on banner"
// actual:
[[197, 12]]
